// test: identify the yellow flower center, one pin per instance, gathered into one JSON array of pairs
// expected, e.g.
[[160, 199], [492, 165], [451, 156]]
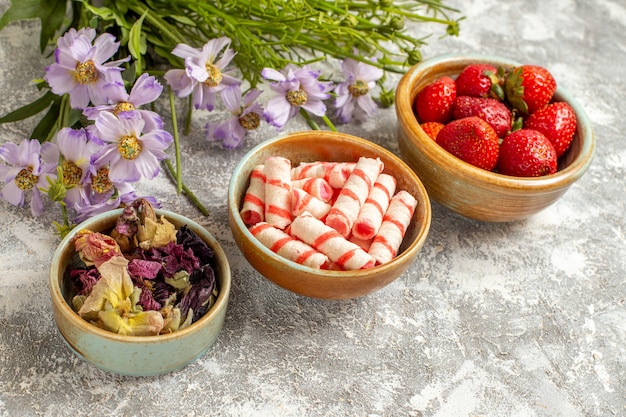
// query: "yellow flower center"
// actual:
[[86, 72], [250, 121], [129, 147], [100, 182], [25, 180], [297, 97], [215, 76], [358, 89], [123, 106], [72, 173]]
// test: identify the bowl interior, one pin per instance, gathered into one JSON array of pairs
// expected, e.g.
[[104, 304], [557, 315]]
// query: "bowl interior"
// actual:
[[313, 146]]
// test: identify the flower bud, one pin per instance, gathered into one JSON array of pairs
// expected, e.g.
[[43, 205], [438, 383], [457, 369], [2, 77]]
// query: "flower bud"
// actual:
[[396, 22], [415, 57]]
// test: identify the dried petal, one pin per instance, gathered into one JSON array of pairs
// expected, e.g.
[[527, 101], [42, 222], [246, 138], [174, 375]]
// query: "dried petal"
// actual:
[[112, 288], [95, 248]]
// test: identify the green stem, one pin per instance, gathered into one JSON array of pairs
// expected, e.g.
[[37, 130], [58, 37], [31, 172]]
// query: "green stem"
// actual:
[[190, 195], [179, 176], [312, 123], [330, 124]]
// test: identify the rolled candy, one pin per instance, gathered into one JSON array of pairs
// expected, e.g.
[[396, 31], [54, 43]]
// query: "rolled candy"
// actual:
[[302, 201], [278, 191], [386, 243], [336, 173], [371, 215], [315, 169], [325, 239], [288, 246], [253, 208], [317, 187], [346, 208]]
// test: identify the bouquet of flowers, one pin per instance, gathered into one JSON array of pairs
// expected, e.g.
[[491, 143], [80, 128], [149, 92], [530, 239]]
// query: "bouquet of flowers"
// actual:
[[100, 134]]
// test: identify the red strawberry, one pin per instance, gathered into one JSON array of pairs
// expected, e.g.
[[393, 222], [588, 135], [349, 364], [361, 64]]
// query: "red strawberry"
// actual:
[[434, 102], [494, 112], [471, 139], [432, 129], [557, 121], [527, 153], [529, 88], [479, 80]]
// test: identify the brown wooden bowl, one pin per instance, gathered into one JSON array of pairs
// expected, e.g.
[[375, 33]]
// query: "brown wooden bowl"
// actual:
[[319, 145], [466, 189]]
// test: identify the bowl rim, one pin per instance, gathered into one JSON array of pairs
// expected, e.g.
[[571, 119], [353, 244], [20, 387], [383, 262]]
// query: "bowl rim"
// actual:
[[75, 320], [563, 177], [325, 274]]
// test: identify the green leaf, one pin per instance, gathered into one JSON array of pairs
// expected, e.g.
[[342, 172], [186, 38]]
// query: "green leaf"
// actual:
[[46, 124], [137, 42], [29, 110], [50, 12]]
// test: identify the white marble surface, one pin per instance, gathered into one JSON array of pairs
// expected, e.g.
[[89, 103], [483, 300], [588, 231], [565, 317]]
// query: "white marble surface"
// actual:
[[524, 319]]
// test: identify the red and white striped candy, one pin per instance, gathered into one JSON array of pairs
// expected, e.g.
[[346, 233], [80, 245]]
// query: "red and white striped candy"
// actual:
[[346, 208], [302, 201], [317, 187], [386, 243], [336, 173], [253, 208], [278, 191], [326, 240], [289, 247], [371, 215], [315, 169]]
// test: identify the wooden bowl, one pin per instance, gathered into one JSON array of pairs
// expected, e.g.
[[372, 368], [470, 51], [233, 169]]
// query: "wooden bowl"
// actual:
[[471, 191], [135, 355], [312, 146]]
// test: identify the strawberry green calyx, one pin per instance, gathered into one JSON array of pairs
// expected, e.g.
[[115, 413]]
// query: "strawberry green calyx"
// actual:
[[514, 90]]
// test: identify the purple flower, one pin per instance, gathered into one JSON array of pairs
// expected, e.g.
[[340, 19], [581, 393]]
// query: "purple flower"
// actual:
[[30, 164], [296, 88], [145, 90], [79, 67], [245, 116], [205, 72], [131, 154], [353, 98], [77, 151]]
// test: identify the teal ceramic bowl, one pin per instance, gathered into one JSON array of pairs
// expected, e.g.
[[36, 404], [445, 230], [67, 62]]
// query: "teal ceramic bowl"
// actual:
[[135, 355]]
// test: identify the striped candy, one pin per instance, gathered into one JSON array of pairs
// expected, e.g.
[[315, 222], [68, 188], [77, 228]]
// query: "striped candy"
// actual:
[[302, 201], [327, 240], [352, 196], [386, 243], [289, 247], [317, 187], [371, 215], [278, 191], [253, 208]]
